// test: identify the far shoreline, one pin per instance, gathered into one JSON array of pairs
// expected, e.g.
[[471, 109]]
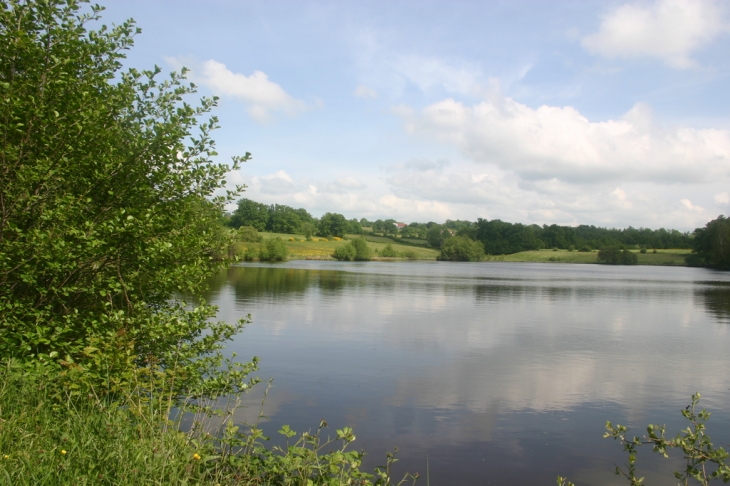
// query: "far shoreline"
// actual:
[[321, 249]]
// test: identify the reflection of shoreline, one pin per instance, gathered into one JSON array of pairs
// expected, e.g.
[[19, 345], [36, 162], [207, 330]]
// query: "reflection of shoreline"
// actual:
[[715, 297]]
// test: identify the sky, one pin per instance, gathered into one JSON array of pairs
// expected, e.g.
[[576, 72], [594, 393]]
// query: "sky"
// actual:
[[609, 113]]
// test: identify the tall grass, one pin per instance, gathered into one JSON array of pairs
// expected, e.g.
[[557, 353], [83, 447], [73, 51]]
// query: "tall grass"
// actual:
[[50, 437]]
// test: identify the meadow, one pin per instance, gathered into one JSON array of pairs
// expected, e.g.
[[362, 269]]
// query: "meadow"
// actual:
[[322, 248]]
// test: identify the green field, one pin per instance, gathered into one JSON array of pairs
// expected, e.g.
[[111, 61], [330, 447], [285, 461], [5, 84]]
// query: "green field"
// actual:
[[661, 257], [322, 249]]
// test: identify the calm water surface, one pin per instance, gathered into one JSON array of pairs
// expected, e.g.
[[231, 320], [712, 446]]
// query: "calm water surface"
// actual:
[[498, 373]]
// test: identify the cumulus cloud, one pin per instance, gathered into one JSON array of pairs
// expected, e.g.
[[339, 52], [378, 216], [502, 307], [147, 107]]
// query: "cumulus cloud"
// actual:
[[263, 96], [363, 91], [670, 30], [552, 142]]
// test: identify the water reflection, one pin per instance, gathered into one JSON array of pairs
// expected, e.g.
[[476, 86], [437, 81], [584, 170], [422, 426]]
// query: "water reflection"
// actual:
[[478, 362], [715, 296]]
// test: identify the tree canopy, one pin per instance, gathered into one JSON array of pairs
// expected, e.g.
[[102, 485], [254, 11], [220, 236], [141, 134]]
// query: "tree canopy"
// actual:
[[107, 183]]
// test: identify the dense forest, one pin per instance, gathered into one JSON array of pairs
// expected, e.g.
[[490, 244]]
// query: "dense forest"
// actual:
[[497, 237]]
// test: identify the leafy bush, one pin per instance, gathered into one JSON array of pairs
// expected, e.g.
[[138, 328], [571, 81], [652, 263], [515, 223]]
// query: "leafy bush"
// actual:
[[356, 249], [362, 250], [704, 461], [107, 186], [585, 249], [461, 249], [248, 234], [411, 255], [274, 250], [614, 256], [345, 252], [388, 251]]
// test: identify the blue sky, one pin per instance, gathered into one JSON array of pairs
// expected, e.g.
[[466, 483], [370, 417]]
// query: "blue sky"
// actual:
[[574, 112]]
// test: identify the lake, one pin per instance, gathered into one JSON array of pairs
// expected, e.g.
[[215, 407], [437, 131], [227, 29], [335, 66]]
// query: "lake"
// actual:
[[493, 373]]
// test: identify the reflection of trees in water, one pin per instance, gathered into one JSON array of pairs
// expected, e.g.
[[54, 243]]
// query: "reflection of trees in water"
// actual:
[[252, 282], [716, 299]]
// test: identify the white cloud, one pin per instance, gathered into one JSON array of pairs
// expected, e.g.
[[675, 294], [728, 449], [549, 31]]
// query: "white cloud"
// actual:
[[263, 97], [363, 91], [670, 30], [721, 199], [552, 142]]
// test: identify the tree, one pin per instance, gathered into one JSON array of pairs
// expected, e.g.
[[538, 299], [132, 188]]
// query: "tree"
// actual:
[[362, 250], [274, 250], [283, 219], [388, 251], [436, 234], [332, 224], [461, 249], [711, 245], [357, 250], [250, 213], [106, 195], [344, 252], [615, 256]]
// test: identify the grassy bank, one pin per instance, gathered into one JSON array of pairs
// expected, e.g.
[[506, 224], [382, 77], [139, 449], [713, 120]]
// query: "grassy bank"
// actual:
[[322, 249], [661, 257]]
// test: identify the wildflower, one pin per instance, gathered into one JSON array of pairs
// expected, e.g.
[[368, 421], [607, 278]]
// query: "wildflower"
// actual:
[[196, 456], [5, 456], [63, 451]]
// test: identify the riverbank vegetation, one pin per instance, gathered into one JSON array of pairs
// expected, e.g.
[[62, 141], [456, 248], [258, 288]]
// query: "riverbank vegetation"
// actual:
[[496, 237], [108, 213]]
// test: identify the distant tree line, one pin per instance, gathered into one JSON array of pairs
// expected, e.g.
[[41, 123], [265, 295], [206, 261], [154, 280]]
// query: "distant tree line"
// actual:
[[711, 245], [501, 238], [496, 237], [279, 218]]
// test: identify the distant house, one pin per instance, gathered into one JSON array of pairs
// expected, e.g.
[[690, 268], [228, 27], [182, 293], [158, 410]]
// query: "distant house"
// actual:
[[400, 225]]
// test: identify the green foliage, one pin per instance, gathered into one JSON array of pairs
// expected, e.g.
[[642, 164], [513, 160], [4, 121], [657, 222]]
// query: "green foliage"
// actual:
[[344, 252], [308, 229], [332, 224], [436, 235], [711, 244], [388, 251], [106, 189], [615, 256], [248, 234], [704, 461], [356, 249], [274, 250], [362, 250], [461, 249], [90, 439], [250, 213]]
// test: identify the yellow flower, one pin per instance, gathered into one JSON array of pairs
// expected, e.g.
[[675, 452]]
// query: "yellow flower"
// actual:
[[196, 456], [6, 456], [63, 451]]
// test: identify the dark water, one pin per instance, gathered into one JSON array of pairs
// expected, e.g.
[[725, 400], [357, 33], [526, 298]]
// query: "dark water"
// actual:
[[498, 373]]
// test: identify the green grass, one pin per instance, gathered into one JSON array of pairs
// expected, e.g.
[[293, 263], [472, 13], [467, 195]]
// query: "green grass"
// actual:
[[322, 249], [48, 437], [661, 257]]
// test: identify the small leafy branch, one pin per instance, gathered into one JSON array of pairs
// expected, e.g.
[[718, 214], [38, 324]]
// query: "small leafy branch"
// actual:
[[704, 461]]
